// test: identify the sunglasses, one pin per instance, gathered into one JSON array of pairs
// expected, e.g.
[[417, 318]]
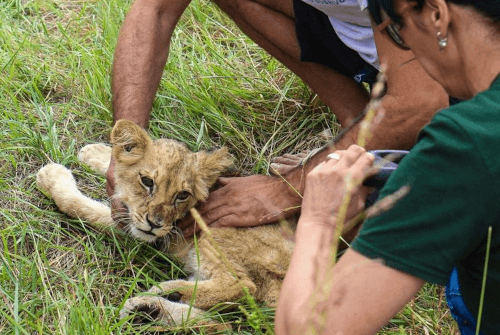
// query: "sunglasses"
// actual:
[[392, 29]]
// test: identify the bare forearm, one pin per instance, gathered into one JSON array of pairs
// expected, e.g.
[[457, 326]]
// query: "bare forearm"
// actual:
[[140, 57], [359, 297], [356, 295], [397, 128], [307, 268]]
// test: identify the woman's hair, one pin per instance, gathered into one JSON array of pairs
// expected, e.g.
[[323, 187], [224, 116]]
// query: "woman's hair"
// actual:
[[489, 8]]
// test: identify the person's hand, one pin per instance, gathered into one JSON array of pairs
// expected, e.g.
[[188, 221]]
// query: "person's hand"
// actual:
[[118, 210], [246, 202], [327, 186], [283, 164]]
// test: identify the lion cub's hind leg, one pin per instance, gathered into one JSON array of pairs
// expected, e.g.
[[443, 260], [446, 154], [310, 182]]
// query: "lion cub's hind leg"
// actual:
[[58, 181], [97, 156]]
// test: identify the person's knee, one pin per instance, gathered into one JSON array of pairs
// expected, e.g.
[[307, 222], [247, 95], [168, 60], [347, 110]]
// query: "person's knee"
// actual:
[[399, 128], [235, 7], [231, 7]]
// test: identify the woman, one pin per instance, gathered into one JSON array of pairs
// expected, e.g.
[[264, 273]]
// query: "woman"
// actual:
[[442, 223]]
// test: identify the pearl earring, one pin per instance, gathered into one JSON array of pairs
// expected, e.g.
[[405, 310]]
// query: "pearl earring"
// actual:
[[442, 41]]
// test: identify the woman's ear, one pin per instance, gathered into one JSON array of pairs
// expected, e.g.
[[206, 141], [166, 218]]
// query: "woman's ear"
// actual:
[[439, 15], [130, 142]]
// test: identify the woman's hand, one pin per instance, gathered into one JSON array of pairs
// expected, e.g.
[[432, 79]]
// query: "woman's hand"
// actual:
[[333, 182]]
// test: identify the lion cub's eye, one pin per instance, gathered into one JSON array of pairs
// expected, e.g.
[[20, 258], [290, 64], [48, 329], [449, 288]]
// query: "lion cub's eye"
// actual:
[[148, 182], [182, 195]]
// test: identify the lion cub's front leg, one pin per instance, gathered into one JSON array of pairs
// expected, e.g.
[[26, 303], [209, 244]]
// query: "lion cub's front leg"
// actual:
[[58, 181], [204, 294], [97, 156], [170, 302], [159, 307]]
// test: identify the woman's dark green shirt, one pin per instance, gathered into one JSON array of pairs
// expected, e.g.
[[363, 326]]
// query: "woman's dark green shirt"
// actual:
[[454, 177]]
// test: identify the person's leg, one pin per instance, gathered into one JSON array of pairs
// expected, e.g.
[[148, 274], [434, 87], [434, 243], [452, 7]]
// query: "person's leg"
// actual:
[[411, 98], [271, 24]]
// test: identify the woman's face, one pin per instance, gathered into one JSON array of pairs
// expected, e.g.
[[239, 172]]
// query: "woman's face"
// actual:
[[420, 34]]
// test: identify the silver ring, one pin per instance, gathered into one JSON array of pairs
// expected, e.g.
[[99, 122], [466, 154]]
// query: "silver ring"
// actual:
[[333, 156]]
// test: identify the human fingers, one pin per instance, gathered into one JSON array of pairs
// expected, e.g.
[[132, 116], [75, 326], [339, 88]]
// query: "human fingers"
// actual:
[[298, 156], [372, 171], [355, 162], [119, 213], [279, 169], [191, 230], [210, 210], [330, 160], [110, 178], [219, 217], [358, 164], [349, 156], [302, 154], [194, 227], [118, 210], [223, 181], [363, 166], [336, 155], [188, 226], [290, 157], [287, 160], [186, 222], [282, 165], [215, 200]]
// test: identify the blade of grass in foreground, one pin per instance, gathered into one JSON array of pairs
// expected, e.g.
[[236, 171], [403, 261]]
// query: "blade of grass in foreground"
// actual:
[[485, 275]]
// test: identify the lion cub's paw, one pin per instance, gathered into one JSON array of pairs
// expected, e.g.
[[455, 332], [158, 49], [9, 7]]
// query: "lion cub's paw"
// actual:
[[54, 177], [168, 313], [173, 290], [156, 308], [150, 308], [97, 156]]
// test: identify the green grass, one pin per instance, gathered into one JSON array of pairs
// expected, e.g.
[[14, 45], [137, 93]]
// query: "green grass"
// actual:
[[58, 276]]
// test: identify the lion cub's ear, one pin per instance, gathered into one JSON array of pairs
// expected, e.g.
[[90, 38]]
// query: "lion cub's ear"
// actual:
[[210, 164], [130, 142]]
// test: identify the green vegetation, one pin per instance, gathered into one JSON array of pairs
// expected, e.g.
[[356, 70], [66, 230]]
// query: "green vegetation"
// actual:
[[58, 276]]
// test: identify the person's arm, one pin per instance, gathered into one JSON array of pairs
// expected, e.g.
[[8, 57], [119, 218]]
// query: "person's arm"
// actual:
[[140, 56], [357, 295], [364, 294], [139, 60], [412, 98]]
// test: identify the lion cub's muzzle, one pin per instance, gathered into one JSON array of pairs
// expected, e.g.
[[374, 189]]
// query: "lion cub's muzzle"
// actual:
[[158, 226], [155, 224]]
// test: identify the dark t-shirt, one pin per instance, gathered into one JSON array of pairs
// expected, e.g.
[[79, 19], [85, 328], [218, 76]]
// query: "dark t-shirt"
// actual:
[[454, 177]]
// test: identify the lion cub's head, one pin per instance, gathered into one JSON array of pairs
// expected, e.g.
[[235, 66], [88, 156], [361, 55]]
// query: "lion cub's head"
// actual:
[[159, 181]]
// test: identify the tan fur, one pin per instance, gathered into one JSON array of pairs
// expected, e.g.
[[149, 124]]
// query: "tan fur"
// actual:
[[257, 257]]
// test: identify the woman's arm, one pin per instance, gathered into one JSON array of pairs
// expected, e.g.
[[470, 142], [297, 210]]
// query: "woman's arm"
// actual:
[[357, 295]]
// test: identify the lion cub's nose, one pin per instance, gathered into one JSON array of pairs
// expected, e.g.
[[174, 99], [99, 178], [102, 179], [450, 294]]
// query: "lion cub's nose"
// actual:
[[154, 224]]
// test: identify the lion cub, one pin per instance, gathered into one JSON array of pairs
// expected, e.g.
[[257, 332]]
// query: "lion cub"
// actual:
[[159, 182]]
